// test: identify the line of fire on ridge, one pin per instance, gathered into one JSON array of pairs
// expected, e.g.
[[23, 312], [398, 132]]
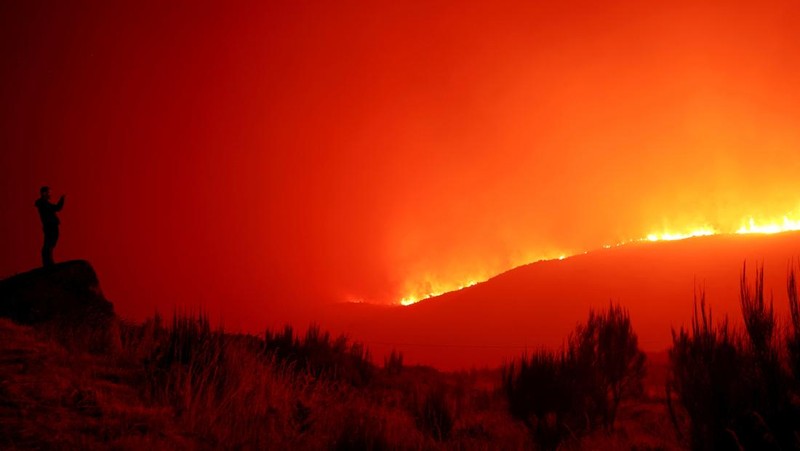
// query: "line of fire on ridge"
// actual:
[[748, 227]]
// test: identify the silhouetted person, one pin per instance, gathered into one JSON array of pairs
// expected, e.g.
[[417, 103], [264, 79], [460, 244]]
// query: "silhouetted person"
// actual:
[[50, 222]]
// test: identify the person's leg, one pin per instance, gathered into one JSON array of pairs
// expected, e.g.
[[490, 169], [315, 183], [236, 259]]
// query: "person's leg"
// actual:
[[53, 246], [50, 240], [46, 254]]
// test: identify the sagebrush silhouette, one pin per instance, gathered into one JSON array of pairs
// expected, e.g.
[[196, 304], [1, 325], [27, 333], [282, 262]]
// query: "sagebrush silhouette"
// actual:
[[570, 391], [732, 385]]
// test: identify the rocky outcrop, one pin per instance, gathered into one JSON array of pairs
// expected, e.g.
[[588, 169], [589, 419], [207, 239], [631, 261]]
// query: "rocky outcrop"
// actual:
[[68, 290]]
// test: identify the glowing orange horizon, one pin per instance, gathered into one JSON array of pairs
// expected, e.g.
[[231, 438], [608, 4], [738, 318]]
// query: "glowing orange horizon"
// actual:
[[748, 226]]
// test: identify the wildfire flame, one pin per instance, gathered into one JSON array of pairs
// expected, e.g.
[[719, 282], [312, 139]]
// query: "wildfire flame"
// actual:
[[786, 225], [414, 299], [671, 236], [747, 226]]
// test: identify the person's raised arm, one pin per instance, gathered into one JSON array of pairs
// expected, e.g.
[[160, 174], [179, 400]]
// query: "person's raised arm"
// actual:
[[60, 204]]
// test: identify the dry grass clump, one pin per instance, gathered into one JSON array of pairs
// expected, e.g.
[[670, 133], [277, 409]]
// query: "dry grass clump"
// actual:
[[222, 387], [321, 355], [52, 397], [308, 392]]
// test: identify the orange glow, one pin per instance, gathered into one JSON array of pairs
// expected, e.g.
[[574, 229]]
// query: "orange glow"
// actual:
[[269, 158]]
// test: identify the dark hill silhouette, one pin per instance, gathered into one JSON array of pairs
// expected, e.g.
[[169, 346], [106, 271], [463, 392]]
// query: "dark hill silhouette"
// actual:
[[538, 304], [67, 293]]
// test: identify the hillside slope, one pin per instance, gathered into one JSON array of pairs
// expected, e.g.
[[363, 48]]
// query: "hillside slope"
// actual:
[[540, 303]]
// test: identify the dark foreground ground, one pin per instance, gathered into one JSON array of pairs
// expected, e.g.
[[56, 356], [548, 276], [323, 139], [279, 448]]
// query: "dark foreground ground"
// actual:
[[54, 397], [73, 376]]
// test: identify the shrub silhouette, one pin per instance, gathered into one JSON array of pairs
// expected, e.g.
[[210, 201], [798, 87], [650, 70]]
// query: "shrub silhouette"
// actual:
[[770, 388], [704, 373], [540, 393], [733, 386], [434, 414], [393, 363], [562, 393], [793, 335], [759, 318], [320, 355], [609, 360]]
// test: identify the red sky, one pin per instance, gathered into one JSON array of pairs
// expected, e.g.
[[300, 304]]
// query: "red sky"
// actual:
[[270, 156]]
